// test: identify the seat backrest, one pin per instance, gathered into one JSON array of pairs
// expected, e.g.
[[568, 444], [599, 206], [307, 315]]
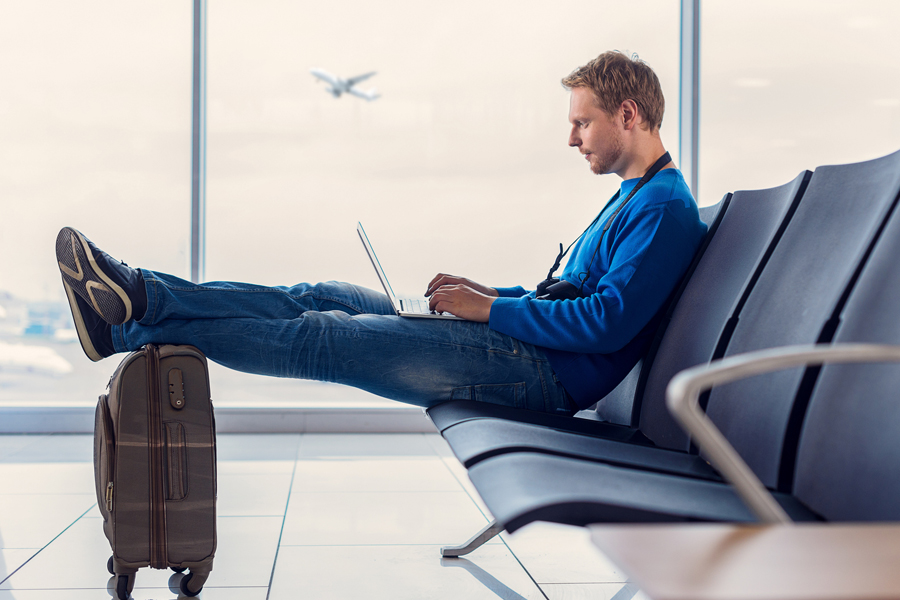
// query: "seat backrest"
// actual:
[[848, 459], [617, 406], [797, 298], [750, 227]]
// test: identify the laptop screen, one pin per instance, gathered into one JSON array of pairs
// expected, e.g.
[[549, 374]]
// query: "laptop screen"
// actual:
[[375, 263]]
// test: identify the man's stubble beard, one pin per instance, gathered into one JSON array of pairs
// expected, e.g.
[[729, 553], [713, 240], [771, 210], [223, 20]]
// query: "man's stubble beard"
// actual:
[[605, 163]]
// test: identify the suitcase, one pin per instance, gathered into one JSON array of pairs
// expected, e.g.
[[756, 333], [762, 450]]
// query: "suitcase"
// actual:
[[155, 466]]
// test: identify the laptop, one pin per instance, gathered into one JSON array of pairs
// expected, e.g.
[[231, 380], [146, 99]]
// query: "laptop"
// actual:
[[404, 307]]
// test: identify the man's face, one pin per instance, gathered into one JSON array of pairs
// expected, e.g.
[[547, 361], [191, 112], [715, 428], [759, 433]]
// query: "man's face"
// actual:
[[594, 132]]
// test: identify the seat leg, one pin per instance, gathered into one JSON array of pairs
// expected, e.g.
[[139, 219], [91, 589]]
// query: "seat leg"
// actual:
[[491, 530]]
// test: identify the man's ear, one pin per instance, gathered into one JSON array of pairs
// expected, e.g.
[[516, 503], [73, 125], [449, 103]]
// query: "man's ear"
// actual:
[[628, 112]]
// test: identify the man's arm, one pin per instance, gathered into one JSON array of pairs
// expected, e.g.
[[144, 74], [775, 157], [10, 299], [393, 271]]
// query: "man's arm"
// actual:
[[649, 256]]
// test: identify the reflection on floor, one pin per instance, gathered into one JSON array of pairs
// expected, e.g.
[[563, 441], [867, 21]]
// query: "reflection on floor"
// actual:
[[300, 516]]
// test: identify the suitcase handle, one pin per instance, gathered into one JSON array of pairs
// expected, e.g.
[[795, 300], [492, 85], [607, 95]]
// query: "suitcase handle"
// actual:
[[176, 461]]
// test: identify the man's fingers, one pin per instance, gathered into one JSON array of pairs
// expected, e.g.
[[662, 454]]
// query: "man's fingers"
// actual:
[[444, 298], [436, 278], [441, 280], [435, 283], [437, 298]]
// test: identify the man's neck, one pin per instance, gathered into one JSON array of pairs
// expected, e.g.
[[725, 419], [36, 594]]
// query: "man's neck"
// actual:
[[648, 152]]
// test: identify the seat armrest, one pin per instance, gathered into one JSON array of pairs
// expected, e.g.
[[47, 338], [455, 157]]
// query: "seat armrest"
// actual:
[[683, 393]]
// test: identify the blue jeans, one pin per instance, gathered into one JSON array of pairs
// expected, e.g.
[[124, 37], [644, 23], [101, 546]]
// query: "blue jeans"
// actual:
[[345, 334]]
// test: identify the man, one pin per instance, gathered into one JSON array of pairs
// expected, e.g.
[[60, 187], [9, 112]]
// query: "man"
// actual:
[[556, 353]]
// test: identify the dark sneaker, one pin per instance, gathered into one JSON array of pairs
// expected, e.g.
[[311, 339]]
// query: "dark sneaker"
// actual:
[[94, 333], [114, 290]]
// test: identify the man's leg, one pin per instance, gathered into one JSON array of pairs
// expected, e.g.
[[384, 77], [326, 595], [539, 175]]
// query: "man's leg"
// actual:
[[169, 297], [326, 332], [417, 361]]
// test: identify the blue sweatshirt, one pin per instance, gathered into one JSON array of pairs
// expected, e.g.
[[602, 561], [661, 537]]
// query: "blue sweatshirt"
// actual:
[[594, 341]]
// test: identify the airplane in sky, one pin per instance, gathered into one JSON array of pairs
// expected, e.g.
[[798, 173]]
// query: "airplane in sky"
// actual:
[[346, 86]]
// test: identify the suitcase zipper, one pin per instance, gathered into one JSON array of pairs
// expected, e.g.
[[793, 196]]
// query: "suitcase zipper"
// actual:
[[109, 497], [158, 550], [110, 452]]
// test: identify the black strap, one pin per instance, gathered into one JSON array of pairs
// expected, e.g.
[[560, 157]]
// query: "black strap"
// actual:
[[661, 162], [656, 168]]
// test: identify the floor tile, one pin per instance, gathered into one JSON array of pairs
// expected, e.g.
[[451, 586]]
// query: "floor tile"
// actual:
[[398, 573], [366, 517], [440, 446], [374, 475], [254, 593], [32, 520], [253, 447], [11, 444], [56, 448], [380, 518], [561, 554], [462, 477], [249, 495], [12, 559], [246, 551], [327, 445], [77, 559], [46, 478], [94, 513], [592, 591], [254, 467]]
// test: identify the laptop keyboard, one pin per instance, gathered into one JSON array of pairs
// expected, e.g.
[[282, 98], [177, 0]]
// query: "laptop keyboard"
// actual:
[[414, 305]]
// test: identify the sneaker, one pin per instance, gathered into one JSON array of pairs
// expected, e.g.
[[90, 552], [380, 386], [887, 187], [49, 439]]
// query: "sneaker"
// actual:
[[111, 288], [94, 333]]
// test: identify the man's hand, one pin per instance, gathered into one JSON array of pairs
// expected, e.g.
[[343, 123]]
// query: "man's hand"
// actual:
[[462, 301], [442, 279], [461, 297]]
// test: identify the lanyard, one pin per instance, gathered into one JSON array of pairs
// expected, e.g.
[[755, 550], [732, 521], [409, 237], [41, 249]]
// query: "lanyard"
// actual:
[[656, 168]]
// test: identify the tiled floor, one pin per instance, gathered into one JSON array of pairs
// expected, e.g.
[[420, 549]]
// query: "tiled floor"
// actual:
[[300, 516]]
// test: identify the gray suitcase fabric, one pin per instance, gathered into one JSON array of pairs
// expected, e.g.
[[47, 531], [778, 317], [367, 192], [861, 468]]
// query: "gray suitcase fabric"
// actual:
[[155, 462]]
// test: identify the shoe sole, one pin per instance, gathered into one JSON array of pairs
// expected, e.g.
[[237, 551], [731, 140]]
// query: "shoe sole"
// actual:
[[83, 335], [81, 273]]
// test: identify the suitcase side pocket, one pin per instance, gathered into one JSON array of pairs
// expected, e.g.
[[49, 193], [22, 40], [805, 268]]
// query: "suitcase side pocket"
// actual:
[[104, 463], [176, 461]]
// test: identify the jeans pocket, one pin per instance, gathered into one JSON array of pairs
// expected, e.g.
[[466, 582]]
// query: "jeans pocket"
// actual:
[[507, 394]]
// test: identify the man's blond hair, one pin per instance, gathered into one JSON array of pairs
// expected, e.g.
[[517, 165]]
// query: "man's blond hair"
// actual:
[[615, 77]]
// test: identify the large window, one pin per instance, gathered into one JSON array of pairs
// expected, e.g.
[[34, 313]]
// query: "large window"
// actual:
[[460, 166], [788, 86]]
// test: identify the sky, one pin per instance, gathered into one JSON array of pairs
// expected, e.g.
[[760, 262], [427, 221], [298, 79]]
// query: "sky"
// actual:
[[461, 166]]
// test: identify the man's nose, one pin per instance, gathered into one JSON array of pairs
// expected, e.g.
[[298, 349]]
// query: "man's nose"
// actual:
[[574, 140]]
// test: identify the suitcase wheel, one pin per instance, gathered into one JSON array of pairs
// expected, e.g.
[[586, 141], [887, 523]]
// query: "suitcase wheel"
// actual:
[[183, 586], [179, 569], [124, 585], [110, 567]]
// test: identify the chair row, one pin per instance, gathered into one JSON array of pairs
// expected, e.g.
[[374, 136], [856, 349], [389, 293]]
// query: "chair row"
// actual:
[[813, 261]]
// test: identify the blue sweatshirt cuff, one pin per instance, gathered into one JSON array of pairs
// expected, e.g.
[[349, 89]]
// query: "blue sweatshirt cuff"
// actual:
[[511, 292], [502, 310]]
